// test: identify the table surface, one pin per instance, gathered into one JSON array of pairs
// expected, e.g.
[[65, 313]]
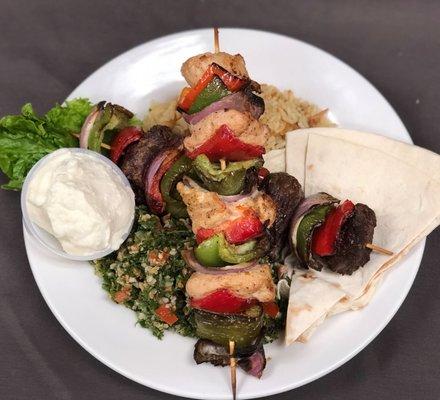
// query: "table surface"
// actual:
[[48, 47]]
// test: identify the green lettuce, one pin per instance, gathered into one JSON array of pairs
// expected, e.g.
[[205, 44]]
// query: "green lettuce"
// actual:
[[27, 137]]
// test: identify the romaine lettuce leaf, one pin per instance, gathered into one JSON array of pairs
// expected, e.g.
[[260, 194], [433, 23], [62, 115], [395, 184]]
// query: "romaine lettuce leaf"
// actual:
[[27, 137]]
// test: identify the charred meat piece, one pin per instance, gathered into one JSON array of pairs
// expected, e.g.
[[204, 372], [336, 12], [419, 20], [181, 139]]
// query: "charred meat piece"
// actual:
[[244, 126], [250, 180], [255, 283], [194, 68], [208, 351], [251, 359], [255, 363], [209, 210], [255, 103], [286, 192], [139, 155], [351, 252]]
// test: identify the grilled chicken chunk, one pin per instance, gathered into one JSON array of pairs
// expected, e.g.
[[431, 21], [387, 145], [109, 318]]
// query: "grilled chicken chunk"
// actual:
[[255, 283], [207, 210], [193, 68], [244, 126]]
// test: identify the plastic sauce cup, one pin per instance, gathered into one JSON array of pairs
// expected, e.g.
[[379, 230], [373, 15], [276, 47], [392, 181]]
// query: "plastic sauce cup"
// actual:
[[46, 239]]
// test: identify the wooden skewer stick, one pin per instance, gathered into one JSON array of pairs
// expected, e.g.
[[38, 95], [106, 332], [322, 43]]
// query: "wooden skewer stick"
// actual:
[[379, 249], [216, 42], [103, 145], [233, 368], [222, 164]]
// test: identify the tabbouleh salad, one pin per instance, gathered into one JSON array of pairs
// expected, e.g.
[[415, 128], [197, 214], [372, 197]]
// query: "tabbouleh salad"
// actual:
[[148, 275]]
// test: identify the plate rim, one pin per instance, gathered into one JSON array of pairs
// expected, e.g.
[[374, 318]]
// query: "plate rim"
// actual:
[[169, 389]]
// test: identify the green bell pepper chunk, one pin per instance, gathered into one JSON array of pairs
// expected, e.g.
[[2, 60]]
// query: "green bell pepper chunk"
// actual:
[[207, 252], [214, 91], [309, 222], [112, 117], [173, 202], [225, 182], [217, 252], [237, 254], [221, 328]]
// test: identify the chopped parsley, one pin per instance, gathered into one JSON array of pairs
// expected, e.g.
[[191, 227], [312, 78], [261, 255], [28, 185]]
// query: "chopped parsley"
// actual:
[[148, 272]]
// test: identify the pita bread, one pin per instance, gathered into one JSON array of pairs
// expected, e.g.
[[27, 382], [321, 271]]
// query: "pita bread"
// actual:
[[275, 160], [400, 182], [418, 157]]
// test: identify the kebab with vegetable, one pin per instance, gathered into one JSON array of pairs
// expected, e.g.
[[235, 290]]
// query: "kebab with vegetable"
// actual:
[[327, 232], [237, 216], [333, 238]]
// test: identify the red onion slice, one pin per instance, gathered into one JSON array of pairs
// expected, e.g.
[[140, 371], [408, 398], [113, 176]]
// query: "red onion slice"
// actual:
[[310, 202], [226, 199], [236, 101], [188, 256], [151, 172], [306, 205], [238, 197], [87, 127]]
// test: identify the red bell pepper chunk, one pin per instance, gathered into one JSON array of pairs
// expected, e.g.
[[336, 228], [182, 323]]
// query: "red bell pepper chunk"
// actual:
[[222, 301], [243, 229], [166, 315], [232, 82], [324, 237], [271, 309], [225, 145], [236, 231], [154, 195], [121, 141], [204, 233]]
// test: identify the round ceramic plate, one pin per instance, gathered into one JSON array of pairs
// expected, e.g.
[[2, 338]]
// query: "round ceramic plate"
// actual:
[[151, 72]]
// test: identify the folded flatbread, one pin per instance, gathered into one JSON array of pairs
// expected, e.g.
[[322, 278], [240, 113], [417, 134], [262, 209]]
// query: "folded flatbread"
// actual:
[[275, 160], [400, 182]]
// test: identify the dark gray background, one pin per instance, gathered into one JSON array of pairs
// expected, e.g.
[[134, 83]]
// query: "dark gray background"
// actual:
[[48, 47]]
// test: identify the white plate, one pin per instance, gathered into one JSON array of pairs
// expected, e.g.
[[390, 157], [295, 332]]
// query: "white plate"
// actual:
[[151, 72]]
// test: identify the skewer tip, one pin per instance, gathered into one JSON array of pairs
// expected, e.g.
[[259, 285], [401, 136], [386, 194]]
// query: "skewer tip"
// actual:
[[233, 367], [379, 249], [216, 41]]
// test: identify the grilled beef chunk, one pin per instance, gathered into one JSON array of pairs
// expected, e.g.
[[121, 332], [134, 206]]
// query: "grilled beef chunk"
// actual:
[[250, 180], [140, 154], [351, 252], [255, 363], [207, 351], [255, 104], [286, 192], [251, 358]]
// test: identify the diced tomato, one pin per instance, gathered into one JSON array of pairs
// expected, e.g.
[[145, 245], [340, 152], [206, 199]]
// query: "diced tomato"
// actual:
[[122, 295], [225, 145], [271, 309], [222, 301], [232, 82], [121, 141], [166, 315], [325, 236]]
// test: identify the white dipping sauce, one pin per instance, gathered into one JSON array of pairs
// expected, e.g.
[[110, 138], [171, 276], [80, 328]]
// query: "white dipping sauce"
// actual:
[[81, 201]]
